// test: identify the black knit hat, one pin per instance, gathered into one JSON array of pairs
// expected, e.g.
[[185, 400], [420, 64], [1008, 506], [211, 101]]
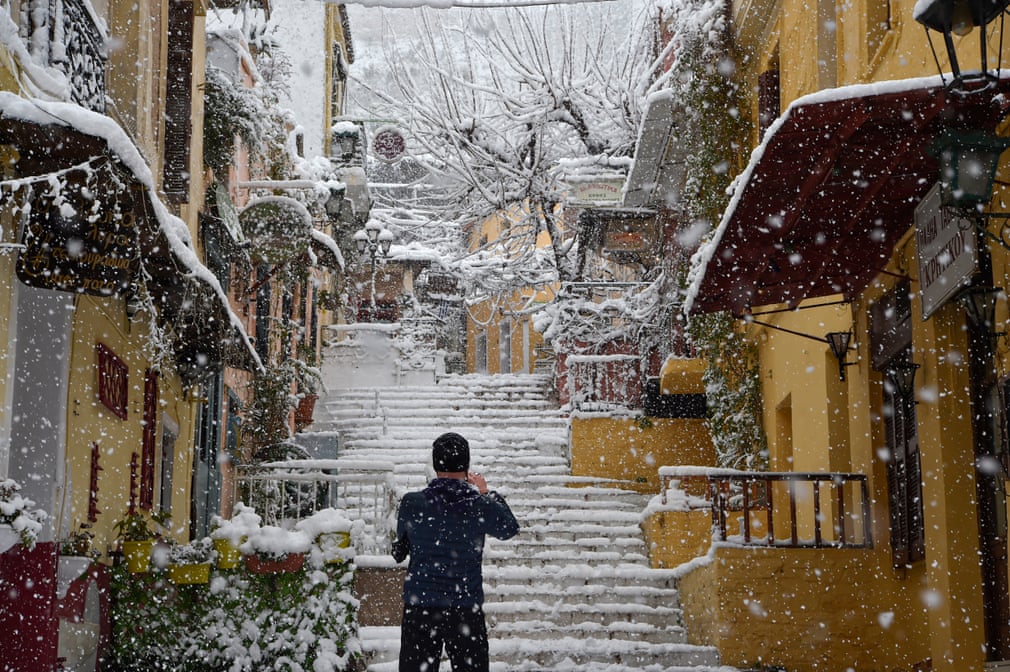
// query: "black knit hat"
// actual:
[[450, 453]]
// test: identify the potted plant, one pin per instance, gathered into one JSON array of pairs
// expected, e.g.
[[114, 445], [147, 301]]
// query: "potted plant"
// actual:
[[20, 521], [138, 539], [331, 531], [273, 549], [229, 533], [190, 563]]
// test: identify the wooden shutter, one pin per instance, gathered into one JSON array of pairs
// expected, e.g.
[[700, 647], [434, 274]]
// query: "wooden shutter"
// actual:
[[178, 100], [149, 439], [904, 481]]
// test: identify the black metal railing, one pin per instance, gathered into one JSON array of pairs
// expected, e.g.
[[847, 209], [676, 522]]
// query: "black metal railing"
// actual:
[[77, 48]]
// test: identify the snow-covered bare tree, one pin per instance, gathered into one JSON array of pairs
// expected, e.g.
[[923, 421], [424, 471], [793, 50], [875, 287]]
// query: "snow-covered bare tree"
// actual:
[[503, 108]]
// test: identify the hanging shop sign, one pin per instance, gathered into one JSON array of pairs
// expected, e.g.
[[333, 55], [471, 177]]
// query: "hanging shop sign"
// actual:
[[389, 144], [629, 234], [947, 248], [81, 234]]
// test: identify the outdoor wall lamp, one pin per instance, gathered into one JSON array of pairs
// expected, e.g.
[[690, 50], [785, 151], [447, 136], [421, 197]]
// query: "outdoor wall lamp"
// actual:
[[960, 17], [979, 303], [838, 341], [968, 161], [901, 374]]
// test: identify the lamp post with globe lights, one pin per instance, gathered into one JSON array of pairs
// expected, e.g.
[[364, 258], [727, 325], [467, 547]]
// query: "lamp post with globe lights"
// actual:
[[376, 241]]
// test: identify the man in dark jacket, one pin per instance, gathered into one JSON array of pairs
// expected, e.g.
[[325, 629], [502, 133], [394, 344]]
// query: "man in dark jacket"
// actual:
[[442, 529]]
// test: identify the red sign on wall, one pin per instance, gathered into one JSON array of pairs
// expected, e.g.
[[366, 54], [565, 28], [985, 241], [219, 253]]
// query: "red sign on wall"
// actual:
[[113, 383]]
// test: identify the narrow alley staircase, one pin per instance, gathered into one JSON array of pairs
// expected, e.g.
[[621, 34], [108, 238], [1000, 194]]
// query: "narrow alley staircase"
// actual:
[[574, 590]]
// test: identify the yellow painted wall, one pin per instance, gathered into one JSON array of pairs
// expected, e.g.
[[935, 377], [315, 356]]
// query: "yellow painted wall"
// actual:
[[485, 317], [103, 320], [633, 449], [676, 537], [807, 610], [814, 422]]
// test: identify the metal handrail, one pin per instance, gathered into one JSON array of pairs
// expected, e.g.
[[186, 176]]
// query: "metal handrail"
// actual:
[[770, 494]]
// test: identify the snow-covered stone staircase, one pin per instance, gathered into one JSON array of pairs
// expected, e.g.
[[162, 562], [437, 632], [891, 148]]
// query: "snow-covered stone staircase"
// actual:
[[574, 590]]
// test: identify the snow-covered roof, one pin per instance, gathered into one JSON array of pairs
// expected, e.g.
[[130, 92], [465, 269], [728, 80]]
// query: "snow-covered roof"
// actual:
[[120, 145]]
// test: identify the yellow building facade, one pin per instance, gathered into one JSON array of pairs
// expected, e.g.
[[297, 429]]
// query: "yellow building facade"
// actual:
[[500, 337], [853, 108]]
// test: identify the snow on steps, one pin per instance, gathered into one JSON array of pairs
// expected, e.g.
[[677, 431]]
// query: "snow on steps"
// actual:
[[573, 591]]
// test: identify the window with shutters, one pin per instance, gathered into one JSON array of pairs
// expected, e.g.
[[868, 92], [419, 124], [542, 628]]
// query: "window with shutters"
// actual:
[[891, 343], [878, 24], [904, 478], [178, 100]]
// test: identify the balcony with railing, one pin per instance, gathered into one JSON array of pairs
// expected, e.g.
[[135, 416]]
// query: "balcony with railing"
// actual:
[[777, 509], [66, 35]]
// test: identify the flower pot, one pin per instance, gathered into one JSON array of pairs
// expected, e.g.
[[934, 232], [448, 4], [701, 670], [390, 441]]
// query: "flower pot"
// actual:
[[291, 562], [189, 574], [138, 555], [228, 555], [332, 545]]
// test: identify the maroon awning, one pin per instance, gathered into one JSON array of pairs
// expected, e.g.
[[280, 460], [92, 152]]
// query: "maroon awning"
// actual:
[[830, 191]]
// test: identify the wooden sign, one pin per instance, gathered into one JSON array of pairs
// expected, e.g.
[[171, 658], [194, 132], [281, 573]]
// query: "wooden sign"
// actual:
[[81, 237]]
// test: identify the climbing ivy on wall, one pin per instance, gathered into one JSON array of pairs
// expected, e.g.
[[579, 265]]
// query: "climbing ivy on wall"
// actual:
[[714, 132]]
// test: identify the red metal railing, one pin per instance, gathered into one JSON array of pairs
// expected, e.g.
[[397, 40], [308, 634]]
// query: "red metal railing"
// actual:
[[821, 510]]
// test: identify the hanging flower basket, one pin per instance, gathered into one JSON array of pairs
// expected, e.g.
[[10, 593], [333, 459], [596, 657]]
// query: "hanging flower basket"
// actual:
[[138, 555], [257, 564], [189, 574], [228, 555]]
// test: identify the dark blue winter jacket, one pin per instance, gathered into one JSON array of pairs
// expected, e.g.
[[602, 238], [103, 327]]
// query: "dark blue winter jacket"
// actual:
[[442, 528]]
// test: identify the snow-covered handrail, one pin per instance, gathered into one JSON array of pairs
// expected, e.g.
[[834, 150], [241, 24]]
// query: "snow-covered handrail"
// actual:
[[291, 490]]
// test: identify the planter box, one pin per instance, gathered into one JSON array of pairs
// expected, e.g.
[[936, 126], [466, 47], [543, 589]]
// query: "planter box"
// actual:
[[228, 555], [289, 563], [138, 555], [189, 574]]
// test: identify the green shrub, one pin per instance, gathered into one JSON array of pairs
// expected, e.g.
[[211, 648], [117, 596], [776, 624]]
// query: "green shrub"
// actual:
[[304, 621]]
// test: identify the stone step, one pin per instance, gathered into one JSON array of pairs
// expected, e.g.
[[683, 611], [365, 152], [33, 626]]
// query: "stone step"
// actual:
[[562, 651], [635, 592], [573, 592]]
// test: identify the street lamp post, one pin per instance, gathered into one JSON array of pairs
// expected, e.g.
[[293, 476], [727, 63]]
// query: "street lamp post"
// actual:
[[377, 241]]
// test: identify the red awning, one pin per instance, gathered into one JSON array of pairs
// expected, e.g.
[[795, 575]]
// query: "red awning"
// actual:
[[830, 191]]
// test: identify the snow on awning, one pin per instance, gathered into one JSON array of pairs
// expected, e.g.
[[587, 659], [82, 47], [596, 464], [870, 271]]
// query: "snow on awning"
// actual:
[[51, 139], [326, 250], [828, 193]]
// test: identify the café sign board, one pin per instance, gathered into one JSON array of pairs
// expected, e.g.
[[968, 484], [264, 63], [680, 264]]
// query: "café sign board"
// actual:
[[81, 236], [948, 254]]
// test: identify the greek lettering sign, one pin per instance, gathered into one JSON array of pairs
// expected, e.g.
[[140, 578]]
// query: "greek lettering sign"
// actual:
[[947, 252], [81, 236]]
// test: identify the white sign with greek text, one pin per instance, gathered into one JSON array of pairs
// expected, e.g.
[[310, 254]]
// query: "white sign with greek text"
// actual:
[[947, 252]]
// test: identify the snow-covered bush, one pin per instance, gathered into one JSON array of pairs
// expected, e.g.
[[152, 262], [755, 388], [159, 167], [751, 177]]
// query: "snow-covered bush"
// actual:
[[300, 621], [20, 514]]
